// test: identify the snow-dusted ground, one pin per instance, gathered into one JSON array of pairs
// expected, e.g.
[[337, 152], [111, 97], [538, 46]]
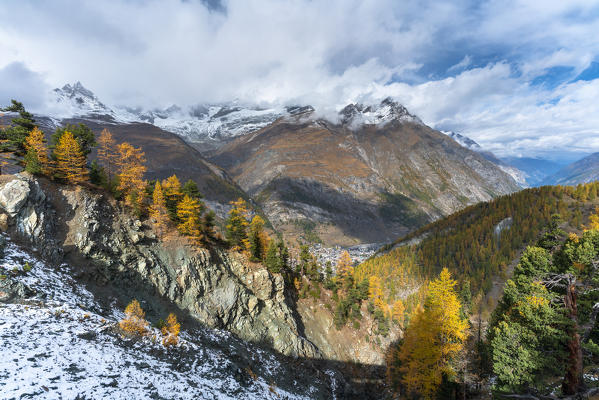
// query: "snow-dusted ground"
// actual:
[[58, 346]]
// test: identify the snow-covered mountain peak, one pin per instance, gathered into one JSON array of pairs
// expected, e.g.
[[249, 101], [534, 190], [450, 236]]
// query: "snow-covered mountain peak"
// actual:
[[77, 100], [379, 114], [463, 140]]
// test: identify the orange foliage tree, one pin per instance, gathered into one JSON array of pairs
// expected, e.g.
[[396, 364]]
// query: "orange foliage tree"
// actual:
[[173, 195], [71, 164], [134, 322], [36, 143], [170, 330], [433, 340], [131, 167], [158, 210], [188, 212], [107, 153]]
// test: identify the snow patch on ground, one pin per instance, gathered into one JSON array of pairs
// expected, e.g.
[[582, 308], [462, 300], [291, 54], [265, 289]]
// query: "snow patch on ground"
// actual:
[[58, 346]]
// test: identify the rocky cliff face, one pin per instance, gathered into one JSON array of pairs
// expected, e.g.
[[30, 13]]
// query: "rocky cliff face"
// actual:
[[88, 230]]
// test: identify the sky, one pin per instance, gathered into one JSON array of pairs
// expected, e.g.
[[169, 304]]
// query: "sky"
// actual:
[[519, 77]]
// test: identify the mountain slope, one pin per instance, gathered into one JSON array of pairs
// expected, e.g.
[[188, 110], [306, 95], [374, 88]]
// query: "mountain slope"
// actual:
[[519, 176], [480, 243], [582, 171], [63, 344], [536, 169], [372, 177]]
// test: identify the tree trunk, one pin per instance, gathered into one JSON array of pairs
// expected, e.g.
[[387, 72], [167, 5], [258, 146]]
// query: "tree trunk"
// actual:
[[573, 379]]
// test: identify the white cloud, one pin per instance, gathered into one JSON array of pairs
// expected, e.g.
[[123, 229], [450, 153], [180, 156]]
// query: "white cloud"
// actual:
[[325, 53]]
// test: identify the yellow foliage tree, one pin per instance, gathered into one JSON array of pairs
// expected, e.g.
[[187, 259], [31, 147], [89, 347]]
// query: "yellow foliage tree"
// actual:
[[594, 221], [188, 212], [258, 239], [236, 225], [134, 322], [70, 161], [397, 312], [433, 339], [107, 152], [131, 167], [35, 141], [344, 265], [158, 210], [375, 292], [170, 331]]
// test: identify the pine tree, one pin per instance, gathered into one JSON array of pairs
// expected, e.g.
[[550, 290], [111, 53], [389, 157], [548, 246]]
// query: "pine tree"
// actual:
[[188, 212], [32, 163], [158, 210], [97, 175], [35, 143], [191, 189], [107, 153], [277, 257], [13, 137], [236, 225], [70, 161], [131, 168], [81, 132], [258, 240]]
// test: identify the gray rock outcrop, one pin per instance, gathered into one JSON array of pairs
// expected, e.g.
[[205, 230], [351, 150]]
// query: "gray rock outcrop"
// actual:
[[217, 288]]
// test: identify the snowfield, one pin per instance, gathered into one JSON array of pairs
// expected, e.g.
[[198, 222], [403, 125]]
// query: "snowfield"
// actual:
[[60, 344]]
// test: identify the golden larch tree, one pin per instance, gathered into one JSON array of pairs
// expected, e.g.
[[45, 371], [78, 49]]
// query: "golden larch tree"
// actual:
[[344, 265], [375, 292], [71, 164], [593, 221], [171, 330], [158, 211], [131, 168], [108, 153], [258, 239], [433, 339], [173, 195], [36, 142], [188, 212], [236, 225], [134, 322], [397, 312]]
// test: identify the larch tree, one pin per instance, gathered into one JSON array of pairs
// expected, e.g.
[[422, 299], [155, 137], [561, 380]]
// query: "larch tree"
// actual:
[[170, 331], [188, 212], [236, 225], [70, 160], [173, 195], [158, 211], [35, 144], [434, 338], [108, 153], [397, 312], [345, 269], [258, 239], [131, 167], [134, 322]]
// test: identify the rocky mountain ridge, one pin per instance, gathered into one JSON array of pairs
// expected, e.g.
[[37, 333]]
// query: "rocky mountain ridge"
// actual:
[[584, 170], [214, 288], [354, 184]]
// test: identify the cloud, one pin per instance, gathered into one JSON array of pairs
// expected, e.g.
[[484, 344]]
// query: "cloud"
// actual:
[[464, 64], [19, 82]]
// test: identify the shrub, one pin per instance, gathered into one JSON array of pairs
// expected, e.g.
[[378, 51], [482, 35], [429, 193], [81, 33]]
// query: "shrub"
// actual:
[[27, 267], [134, 322]]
